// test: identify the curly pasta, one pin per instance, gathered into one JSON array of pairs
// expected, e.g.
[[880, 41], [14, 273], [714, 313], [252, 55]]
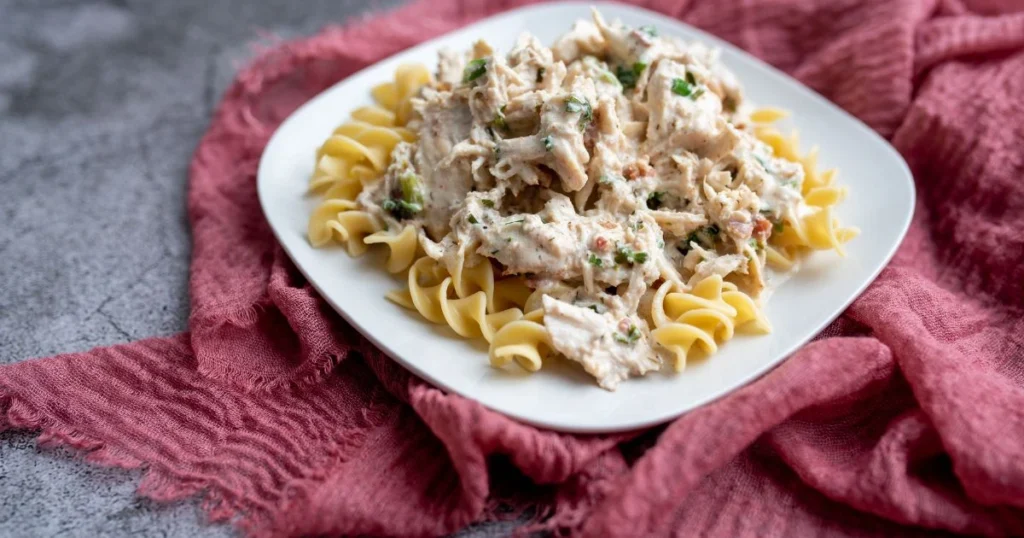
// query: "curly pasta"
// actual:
[[709, 313], [355, 155], [471, 314], [524, 341], [819, 230]]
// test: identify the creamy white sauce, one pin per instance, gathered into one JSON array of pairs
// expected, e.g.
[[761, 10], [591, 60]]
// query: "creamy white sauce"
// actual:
[[596, 169]]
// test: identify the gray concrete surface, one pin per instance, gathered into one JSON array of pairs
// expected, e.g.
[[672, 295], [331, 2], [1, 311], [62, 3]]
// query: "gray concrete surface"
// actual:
[[101, 106]]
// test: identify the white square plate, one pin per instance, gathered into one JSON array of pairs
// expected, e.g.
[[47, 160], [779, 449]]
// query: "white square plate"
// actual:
[[558, 397]]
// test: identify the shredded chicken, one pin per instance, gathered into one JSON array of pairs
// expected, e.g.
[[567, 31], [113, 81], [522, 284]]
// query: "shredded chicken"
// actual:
[[599, 167]]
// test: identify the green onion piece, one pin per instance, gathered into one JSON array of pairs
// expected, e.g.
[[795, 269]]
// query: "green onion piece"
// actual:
[[474, 70], [410, 185], [575, 104], [400, 209], [472, 219], [487, 203], [628, 76], [682, 87], [626, 255]]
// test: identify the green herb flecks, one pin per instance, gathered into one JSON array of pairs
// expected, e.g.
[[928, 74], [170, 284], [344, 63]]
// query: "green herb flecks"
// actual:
[[778, 227], [407, 200], [649, 29], [400, 209], [687, 87], [549, 143], [487, 203], [474, 70], [704, 237], [575, 104], [595, 261], [628, 75], [625, 255], [629, 338], [472, 219]]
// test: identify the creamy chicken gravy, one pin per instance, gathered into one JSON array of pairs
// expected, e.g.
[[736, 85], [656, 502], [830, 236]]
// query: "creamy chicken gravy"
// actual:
[[615, 159]]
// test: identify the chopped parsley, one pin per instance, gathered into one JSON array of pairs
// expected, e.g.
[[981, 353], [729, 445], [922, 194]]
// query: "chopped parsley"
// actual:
[[684, 88], [654, 200], [704, 237], [628, 76], [778, 227], [474, 70], [650, 30], [630, 337], [472, 219], [575, 104], [487, 203], [549, 143], [595, 308], [625, 255], [753, 243], [595, 261]]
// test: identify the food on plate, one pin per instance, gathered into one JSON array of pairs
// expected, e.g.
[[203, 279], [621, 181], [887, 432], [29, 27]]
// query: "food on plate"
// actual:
[[612, 199]]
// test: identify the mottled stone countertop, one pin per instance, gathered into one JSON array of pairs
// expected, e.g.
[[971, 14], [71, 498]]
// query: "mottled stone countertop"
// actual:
[[101, 107]]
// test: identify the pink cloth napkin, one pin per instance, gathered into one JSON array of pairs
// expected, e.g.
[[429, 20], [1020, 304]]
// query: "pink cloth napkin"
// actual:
[[906, 416]]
